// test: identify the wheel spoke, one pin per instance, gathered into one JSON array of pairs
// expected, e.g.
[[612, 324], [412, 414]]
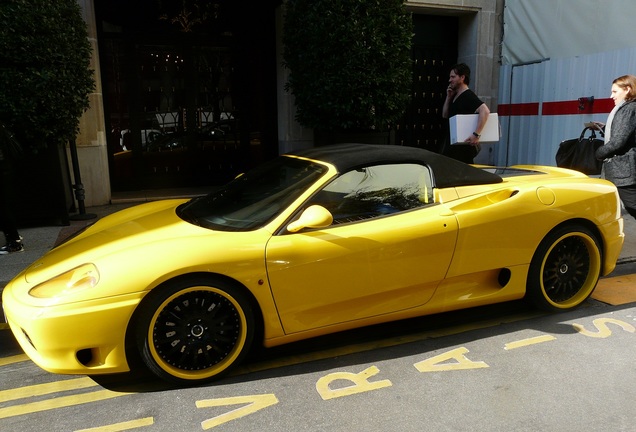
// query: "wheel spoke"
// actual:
[[197, 330], [567, 269]]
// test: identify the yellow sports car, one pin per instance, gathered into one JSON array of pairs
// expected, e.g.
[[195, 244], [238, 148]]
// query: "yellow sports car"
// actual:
[[310, 243]]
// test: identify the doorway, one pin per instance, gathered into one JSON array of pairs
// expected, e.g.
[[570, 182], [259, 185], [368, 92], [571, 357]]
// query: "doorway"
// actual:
[[434, 53], [189, 94]]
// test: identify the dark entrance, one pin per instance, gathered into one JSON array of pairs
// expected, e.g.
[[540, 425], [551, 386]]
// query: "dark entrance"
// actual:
[[434, 53], [189, 90]]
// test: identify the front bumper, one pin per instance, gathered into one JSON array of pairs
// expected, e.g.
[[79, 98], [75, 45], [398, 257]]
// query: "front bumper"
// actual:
[[85, 338]]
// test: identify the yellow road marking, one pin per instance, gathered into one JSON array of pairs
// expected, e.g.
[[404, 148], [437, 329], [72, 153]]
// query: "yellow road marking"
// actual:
[[66, 385], [530, 341], [385, 343], [44, 389], [133, 424], [254, 403], [60, 402], [440, 363], [13, 359], [360, 383], [603, 330]]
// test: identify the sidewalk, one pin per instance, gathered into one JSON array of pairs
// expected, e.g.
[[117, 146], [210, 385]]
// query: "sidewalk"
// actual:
[[39, 240]]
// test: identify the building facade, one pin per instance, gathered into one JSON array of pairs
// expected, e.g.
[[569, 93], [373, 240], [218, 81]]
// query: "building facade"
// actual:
[[191, 97]]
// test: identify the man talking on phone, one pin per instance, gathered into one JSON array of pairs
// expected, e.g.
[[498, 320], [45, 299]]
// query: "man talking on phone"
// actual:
[[462, 100]]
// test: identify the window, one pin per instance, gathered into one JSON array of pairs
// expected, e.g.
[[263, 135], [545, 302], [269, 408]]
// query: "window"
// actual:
[[376, 191], [255, 198]]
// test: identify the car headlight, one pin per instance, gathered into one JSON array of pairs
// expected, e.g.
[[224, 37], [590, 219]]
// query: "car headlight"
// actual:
[[82, 277]]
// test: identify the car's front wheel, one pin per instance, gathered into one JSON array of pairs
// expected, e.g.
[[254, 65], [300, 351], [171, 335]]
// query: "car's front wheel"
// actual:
[[565, 269], [193, 330]]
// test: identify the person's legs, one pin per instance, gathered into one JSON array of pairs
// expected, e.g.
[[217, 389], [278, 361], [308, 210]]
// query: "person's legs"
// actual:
[[628, 197], [11, 247], [7, 219], [461, 152]]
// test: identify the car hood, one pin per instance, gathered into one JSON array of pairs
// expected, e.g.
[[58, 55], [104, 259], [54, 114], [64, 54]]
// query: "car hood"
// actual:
[[132, 241]]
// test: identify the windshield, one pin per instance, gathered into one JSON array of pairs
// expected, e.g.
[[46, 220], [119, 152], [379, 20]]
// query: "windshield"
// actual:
[[253, 199]]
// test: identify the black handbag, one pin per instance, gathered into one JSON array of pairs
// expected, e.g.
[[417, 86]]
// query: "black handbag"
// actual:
[[578, 153]]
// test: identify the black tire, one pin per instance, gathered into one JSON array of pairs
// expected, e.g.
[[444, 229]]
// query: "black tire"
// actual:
[[194, 330], [565, 269]]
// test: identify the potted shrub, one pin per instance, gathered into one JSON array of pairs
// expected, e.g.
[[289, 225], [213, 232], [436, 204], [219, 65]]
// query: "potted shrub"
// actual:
[[45, 81], [349, 63]]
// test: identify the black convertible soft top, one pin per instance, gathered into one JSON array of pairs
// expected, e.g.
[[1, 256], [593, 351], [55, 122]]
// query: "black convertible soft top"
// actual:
[[447, 172]]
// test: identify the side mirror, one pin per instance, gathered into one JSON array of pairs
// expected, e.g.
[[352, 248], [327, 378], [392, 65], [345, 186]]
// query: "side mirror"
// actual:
[[314, 216]]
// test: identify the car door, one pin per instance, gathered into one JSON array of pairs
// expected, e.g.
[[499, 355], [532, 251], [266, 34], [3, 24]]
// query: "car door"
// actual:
[[388, 248]]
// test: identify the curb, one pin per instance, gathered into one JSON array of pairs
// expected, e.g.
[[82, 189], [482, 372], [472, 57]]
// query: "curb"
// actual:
[[625, 260]]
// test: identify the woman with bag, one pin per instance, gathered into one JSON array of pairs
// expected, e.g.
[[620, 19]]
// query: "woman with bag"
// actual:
[[619, 151]]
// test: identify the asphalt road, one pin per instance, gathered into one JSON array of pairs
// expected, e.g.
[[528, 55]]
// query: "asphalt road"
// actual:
[[499, 368]]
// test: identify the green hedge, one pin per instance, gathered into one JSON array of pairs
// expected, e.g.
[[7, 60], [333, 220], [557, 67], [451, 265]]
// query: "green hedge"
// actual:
[[349, 62], [45, 78]]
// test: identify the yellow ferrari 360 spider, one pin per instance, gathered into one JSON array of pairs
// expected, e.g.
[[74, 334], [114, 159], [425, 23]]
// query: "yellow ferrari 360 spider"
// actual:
[[310, 243]]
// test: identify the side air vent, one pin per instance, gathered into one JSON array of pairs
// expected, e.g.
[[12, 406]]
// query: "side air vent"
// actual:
[[485, 200], [504, 277]]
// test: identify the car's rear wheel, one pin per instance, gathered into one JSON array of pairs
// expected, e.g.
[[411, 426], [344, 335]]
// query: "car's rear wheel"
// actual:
[[565, 269], [193, 330]]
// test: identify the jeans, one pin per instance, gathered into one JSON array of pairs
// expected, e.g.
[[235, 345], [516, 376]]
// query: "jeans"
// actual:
[[7, 218], [628, 197]]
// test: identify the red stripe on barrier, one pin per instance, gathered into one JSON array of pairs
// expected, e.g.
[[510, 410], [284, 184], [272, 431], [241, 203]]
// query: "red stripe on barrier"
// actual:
[[603, 106], [518, 109], [572, 107], [562, 108]]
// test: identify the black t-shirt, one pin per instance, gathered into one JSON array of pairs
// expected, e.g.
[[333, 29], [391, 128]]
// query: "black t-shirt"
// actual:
[[466, 103]]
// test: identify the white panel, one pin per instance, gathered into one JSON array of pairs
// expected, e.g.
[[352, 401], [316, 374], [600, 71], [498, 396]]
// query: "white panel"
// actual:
[[540, 29], [500, 152], [521, 131], [534, 139]]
